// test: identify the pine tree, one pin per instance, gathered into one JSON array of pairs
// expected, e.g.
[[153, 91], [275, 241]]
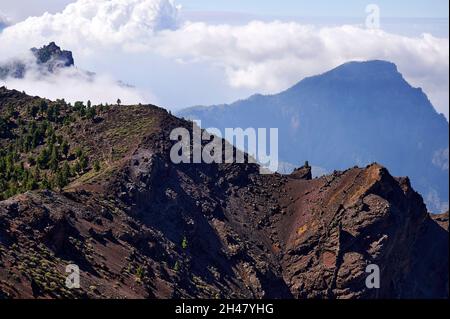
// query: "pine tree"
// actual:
[[96, 165], [65, 148], [43, 107], [83, 162], [43, 158], [60, 180], [66, 171], [54, 159]]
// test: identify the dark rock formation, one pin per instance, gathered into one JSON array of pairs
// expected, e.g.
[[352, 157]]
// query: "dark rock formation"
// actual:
[[50, 58], [53, 57]]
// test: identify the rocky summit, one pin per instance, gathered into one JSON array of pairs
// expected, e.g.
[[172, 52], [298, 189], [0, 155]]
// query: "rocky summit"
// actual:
[[46, 60], [53, 57], [94, 186]]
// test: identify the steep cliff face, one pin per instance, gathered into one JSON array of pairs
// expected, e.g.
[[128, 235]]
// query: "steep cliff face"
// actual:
[[139, 226], [343, 222]]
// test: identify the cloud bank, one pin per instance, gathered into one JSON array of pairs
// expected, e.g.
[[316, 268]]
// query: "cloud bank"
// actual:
[[73, 85], [89, 24], [262, 56], [272, 56], [70, 83]]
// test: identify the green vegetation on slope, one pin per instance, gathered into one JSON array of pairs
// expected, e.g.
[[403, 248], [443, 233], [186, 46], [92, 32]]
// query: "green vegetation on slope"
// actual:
[[55, 145], [36, 151]]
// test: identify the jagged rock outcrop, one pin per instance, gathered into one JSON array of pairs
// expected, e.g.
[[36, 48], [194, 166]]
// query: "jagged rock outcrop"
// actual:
[[344, 222], [53, 57], [48, 59], [140, 226], [304, 172]]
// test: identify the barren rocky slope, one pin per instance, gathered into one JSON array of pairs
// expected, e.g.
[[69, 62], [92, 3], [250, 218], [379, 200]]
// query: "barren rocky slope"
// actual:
[[140, 226]]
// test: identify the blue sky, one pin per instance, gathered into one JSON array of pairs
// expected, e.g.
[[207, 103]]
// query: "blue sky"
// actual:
[[410, 18], [217, 54], [324, 8], [20, 9]]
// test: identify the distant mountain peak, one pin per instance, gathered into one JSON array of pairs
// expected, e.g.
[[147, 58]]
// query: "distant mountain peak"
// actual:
[[354, 114], [370, 65], [53, 56], [368, 69], [49, 58], [356, 73]]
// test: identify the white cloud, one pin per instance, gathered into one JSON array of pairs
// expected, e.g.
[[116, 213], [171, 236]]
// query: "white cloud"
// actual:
[[440, 159], [269, 57], [434, 202], [73, 85], [87, 24], [68, 85], [263, 56]]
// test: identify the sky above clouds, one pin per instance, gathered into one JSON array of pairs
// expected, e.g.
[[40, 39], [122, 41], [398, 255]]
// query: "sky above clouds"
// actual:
[[21, 9], [185, 53]]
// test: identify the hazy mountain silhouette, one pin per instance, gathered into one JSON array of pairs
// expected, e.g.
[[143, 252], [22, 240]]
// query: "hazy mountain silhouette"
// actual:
[[357, 113]]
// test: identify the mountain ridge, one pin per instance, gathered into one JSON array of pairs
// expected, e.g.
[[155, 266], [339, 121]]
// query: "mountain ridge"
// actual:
[[140, 226], [357, 113]]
